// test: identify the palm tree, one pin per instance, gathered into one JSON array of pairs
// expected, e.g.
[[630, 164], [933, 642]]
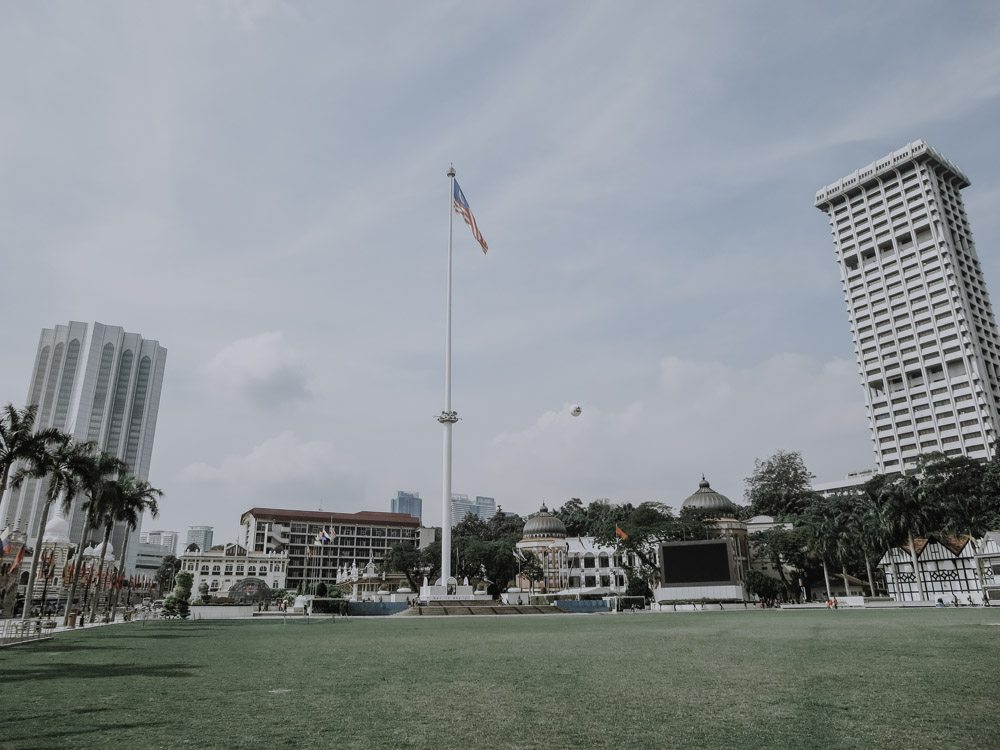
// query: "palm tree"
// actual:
[[130, 498], [820, 534], [904, 514], [20, 443], [95, 486], [870, 536], [64, 465]]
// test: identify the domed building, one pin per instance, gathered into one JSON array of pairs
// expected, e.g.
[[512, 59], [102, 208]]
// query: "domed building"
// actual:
[[544, 525], [544, 535], [570, 565], [705, 498]]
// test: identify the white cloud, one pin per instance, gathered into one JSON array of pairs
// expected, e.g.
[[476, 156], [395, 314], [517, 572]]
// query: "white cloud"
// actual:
[[282, 471], [262, 368]]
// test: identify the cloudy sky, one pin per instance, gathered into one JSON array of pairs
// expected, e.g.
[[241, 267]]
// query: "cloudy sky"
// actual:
[[260, 186]]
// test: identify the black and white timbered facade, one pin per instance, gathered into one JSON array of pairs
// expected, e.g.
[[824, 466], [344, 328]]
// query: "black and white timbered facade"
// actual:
[[955, 568]]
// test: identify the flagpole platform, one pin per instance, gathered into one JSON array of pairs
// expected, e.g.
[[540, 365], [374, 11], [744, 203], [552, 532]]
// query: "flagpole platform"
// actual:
[[450, 591]]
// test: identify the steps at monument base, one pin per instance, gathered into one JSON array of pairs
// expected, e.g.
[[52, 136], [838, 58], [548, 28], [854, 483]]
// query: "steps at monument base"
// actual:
[[465, 607]]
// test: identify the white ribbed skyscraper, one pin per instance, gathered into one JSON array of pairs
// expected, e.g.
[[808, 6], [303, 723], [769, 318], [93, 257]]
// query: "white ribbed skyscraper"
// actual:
[[924, 333], [99, 383]]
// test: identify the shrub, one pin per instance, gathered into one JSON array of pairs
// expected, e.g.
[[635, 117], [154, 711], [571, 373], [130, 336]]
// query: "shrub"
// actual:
[[329, 606]]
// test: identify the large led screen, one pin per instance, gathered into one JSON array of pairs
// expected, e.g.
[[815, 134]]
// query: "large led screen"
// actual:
[[702, 562]]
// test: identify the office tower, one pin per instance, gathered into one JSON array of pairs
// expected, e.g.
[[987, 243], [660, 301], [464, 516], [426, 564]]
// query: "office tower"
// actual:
[[924, 332], [94, 382], [200, 535], [165, 539], [409, 503], [484, 507]]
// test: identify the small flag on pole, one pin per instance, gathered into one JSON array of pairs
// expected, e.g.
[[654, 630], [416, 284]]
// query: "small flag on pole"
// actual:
[[462, 207], [620, 533]]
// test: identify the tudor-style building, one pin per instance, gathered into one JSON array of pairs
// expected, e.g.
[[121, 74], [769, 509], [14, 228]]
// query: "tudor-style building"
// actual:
[[949, 567]]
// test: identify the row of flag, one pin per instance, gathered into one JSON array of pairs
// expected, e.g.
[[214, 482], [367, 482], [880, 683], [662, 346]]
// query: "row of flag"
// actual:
[[325, 536]]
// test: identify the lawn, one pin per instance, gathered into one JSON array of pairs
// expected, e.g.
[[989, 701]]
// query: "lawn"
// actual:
[[726, 680]]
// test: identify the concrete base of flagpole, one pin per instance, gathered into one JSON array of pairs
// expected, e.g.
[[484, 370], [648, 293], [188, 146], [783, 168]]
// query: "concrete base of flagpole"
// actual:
[[449, 590]]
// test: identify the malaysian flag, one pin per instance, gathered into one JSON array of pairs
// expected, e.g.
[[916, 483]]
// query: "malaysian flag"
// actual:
[[462, 207]]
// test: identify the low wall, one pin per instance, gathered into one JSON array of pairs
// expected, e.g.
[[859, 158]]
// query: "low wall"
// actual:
[[222, 612], [375, 609], [585, 606]]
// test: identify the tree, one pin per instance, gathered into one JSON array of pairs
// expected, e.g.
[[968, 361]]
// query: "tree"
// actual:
[[781, 547], [65, 465], [321, 589], [203, 596], [531, 568], [903, 514], [130, 498], [485, 549], [95, 485], [19, 443], [761, 585], [780, 486], [176, 604], [164, 575], [413, 562], [817, 526]]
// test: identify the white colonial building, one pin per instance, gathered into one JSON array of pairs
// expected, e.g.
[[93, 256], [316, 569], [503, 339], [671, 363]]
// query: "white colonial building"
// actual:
[[570, 565], [223, 569]]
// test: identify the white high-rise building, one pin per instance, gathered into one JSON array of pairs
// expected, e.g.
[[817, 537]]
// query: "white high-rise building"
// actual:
[[201, 536], [924, 333], [165, 539], [484, 507], [94, 382]]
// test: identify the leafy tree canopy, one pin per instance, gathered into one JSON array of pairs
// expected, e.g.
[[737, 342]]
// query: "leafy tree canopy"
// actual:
[[779, 486]]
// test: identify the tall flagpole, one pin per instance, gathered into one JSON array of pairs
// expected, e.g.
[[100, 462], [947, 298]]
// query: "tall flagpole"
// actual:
[[447, 417]]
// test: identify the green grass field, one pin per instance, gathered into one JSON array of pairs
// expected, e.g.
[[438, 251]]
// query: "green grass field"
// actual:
[[760, 679]]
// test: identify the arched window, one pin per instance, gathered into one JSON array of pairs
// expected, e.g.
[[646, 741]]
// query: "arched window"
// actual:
[[66, 383], [101, 392], [50, 387], [39, 381], [138, 408], [118, 406], [216, 570]]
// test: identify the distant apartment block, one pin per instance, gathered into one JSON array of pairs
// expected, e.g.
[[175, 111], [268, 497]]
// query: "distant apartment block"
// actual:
[[408, 503], [483, 507], [165, 539], [924, 332], [200, 536]]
